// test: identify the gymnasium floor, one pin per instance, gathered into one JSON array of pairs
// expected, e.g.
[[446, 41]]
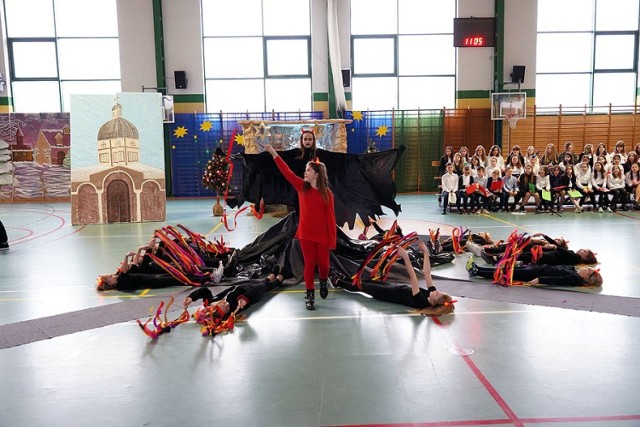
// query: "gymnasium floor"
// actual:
[[353, 361]]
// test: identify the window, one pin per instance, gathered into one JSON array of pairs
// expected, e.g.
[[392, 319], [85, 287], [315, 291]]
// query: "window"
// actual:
[[261, 62], [402, 54], [68, 47], [587, 53]]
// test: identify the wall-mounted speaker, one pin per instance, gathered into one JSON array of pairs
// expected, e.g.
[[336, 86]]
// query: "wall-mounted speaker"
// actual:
[[181, 79], [517, 75], [346, 78]]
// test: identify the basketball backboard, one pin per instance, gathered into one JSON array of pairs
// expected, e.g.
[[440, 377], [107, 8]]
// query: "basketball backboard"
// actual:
[[507, 105]]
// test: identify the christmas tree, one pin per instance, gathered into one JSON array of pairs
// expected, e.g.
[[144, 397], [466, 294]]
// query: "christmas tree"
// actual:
[[216, 174]]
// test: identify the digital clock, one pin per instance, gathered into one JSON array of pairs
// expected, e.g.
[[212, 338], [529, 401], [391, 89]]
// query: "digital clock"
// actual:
[[474, 32]]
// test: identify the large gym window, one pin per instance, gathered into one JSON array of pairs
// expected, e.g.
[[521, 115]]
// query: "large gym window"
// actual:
[[257, 55], [402, 54], [67, 47], [587, 53]]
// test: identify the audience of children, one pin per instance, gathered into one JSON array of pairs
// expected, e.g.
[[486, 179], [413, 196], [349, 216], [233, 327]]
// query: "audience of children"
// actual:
[[599, 180]]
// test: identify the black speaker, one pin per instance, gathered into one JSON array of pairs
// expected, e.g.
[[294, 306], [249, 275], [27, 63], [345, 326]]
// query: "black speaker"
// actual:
[[517, 75], [346, 78], [181, 79]]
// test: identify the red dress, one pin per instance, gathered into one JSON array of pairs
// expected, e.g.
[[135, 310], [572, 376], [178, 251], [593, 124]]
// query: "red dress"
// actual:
[[317, 218]]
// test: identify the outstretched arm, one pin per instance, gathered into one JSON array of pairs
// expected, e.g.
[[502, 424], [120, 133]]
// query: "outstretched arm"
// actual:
[[415, 287], [426, 265], [293, 179]]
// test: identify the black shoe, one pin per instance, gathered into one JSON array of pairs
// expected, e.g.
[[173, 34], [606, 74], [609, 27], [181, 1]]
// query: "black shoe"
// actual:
[[310, 299], [324, 289], [4, 246], [275, 270]]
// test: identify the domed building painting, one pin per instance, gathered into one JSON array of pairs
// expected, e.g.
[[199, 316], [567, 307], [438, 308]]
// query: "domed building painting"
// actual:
[[120, 186]]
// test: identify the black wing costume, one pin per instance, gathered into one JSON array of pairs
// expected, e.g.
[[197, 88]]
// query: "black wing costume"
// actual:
[[361, 183]]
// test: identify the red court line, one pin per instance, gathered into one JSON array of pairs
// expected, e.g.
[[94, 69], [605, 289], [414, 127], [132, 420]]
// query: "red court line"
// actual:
[[72, 233], [27, 239], [628, 216], [28, 230], [463, 423], [513, 418]]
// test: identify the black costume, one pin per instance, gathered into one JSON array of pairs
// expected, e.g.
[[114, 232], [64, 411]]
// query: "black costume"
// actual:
[[251, 291], [361, 183], [554, 275], [389, 292], [558, 256], [134, 281]]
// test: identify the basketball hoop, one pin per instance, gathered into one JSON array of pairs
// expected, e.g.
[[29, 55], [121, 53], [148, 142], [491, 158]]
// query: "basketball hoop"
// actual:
[[512, 119]]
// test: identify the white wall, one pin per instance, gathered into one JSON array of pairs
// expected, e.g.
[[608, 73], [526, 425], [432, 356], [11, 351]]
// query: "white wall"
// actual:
[[520, 35], [475, 65], [183, 44], [137, 46]]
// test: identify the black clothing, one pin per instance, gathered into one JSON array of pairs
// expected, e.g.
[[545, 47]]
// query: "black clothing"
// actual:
[[390, 292], [361, 183], [253, 291], [554, 275], [134, 281], [559, 256]]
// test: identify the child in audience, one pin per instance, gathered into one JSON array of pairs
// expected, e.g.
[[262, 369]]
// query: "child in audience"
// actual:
[[481, 193], [583, 182], [558, 187], [550, 156], [449, 182], [631, 180], [601, 150], [464, 182], [475, 164], [619, 149], [496, 152], [615, 183], [509, 189], [543, 184], [464, 152], [568, 149], [588, 152], [458, 164], [632, 158], [524, 188], [570, 180], [599, 185], [493, 165], [495, 190], [447, 158], [481, 154], [516, 166]]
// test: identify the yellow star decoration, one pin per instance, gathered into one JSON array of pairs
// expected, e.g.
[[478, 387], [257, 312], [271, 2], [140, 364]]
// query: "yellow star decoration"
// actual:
[[180, 132], [382, 130], [357, 116], [239, 139], [205, 126], [262, 131]]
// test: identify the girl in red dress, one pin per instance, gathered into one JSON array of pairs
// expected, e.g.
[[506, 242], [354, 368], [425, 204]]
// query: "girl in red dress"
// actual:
[[317, 222]]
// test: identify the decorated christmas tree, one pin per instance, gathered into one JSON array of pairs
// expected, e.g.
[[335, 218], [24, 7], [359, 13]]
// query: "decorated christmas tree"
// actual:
[[216, 176]]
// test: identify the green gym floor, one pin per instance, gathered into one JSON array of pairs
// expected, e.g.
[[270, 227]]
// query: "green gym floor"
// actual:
[[352, 361]]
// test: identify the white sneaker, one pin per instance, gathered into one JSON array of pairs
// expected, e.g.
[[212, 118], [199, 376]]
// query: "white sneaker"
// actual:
[[474, 248], [609, 209], [600, 210], [578, 209]]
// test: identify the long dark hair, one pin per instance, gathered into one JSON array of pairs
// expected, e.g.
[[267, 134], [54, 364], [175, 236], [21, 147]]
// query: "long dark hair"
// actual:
[[303, 150], [322, 182]]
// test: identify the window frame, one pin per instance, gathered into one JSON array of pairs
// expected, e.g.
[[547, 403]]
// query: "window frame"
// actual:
[[55, 39]]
